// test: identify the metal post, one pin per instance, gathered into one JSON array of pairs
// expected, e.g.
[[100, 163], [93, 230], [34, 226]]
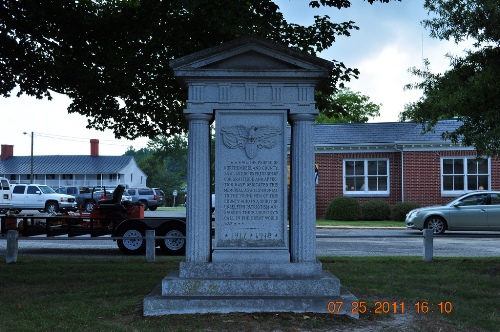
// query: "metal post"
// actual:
[[428, 245], [150, 245], [12, 246]]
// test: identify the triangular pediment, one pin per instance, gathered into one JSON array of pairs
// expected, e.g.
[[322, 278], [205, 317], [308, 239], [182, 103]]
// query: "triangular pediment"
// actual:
[[252, 60], [248, 56]]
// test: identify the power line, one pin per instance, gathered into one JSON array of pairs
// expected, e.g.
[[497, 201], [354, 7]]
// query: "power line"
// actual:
[[86, 139]]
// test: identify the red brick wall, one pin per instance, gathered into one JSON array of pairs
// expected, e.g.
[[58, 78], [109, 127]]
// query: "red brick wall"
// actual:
[[422, 176], [331, 177]]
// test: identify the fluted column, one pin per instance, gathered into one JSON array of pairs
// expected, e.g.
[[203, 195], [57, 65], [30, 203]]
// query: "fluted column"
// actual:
[[198, 212], [303, 195]]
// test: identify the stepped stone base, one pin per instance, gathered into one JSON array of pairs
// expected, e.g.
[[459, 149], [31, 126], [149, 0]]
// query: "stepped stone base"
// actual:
[[180, 295]]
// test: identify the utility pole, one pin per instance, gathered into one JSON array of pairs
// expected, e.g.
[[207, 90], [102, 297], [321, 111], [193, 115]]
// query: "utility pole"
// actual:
[[32, 136]]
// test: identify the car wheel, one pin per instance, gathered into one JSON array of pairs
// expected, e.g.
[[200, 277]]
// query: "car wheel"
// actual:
[[133, 242], [176, 243], [153, 208], [437, 224], [89, 206], [51, 207]]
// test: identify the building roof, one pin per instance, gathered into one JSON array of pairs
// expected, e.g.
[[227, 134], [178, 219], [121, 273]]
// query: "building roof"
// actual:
[[378, 133], [65, 164]]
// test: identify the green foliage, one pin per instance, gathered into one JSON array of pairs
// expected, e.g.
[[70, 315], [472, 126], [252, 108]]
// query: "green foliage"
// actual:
[[343, 208], [375, 210], [350, 107], [469, 90], [111, 58], [165, 163], [400, 210]]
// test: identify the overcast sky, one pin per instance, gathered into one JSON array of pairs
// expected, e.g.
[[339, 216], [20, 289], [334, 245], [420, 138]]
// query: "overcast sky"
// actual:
[[390, 40]]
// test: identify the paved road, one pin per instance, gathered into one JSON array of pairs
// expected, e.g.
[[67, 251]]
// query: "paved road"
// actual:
[[402, 242], [330, 242]]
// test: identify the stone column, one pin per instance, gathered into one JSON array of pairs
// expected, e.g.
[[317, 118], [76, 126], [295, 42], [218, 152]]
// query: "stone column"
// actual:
[[198, 212], [302, 191]]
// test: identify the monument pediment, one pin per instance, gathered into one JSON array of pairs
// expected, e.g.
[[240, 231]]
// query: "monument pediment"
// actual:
[[252, 60], [250, 56]]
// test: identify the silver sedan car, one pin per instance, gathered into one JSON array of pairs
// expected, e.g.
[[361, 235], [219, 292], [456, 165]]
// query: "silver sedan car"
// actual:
[[475, 211]]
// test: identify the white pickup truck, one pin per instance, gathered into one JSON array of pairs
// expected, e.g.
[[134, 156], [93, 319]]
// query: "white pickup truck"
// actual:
[[5, 195], [40, 197]]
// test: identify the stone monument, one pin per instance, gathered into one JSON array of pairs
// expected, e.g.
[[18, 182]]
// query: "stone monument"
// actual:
[[263, 256]]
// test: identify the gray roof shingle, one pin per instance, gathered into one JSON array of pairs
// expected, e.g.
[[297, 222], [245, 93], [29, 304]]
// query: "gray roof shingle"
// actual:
[[378, 133], [65, 164]]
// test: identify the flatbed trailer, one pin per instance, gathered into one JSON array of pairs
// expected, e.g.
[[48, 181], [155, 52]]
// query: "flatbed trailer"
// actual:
[[129, 230]]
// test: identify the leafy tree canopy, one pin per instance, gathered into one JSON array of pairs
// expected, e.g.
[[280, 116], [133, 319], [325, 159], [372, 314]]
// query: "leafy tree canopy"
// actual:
[[469, 91], [353, 107], [111, 57], [164, 161]]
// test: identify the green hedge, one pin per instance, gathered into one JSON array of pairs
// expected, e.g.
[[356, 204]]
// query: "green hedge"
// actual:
[[400, 210], [343, 208], [375, 210]]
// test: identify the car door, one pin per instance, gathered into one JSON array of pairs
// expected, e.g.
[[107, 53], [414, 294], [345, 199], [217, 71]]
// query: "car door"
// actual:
[[18, 196], [471, 213], [34, 197], [494, 212], [5, 196]]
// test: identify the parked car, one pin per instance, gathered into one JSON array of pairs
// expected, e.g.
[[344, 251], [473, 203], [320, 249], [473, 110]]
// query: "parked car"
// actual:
[[150, 198], [475, 211], [40, 197], [5, 195], [160, 197]]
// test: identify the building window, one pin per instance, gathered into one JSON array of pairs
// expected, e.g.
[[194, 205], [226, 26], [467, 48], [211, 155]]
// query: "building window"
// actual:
[[67, 176], [461, 174], [369, 176]]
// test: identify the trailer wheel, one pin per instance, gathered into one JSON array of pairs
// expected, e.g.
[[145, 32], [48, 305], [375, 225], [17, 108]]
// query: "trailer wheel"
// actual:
[[134, 242], [175, 246]]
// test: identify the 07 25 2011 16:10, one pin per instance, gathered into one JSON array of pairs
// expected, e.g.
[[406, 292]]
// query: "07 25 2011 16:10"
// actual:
[[386, 307]]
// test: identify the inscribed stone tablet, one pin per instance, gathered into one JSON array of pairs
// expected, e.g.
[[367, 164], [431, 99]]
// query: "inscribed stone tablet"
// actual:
[[251, 179]]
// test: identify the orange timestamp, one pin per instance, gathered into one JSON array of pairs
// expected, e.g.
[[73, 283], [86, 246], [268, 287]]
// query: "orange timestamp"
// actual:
[[388, 307]]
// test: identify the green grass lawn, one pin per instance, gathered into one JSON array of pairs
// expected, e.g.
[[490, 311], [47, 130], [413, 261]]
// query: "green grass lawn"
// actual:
[[106, 294]]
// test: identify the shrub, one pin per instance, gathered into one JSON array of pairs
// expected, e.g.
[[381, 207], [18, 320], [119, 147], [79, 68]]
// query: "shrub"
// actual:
[[375, 210], [400, 210], [343, 208]]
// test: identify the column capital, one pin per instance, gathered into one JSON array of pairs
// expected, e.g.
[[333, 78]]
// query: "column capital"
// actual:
[[303, 117], [198, 116]]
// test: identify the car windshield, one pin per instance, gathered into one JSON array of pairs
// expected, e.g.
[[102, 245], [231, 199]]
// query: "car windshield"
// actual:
[[46, 190]]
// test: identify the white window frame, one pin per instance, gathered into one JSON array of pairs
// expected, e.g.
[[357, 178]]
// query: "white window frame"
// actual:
[[454, 193], [366, 191]]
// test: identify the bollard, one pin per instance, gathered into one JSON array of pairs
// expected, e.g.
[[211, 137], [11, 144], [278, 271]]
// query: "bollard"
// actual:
[[12, 246], [428, 245], [150, 245]]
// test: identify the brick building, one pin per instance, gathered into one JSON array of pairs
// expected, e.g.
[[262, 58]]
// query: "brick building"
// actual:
[[395, 162]]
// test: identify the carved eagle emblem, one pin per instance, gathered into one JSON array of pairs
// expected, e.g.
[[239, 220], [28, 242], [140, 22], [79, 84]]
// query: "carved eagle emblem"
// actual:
[[250, 139]]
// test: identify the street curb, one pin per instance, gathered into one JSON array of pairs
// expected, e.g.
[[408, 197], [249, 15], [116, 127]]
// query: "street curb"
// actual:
[[359, 227]]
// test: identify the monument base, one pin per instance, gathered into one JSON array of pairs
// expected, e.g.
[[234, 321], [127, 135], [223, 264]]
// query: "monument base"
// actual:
[[181, 295], [250, 270]]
